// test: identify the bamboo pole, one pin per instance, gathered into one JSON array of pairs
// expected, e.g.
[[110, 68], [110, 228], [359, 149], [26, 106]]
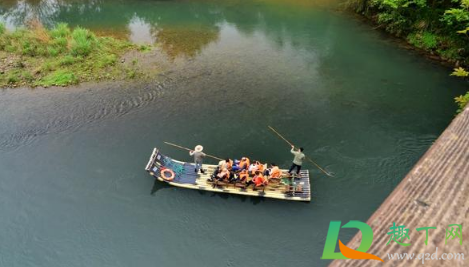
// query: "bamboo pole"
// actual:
[[307, 158], [188, 149]]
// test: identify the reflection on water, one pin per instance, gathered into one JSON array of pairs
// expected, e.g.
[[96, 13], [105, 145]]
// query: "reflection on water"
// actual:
[[181, 31], [187, 41]]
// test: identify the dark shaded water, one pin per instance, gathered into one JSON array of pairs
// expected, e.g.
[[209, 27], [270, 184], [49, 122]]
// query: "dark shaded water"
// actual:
[[72, 187]]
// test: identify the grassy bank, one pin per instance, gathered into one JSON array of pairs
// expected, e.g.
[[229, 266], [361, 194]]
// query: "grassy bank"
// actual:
[[440, 28], [36, 56]]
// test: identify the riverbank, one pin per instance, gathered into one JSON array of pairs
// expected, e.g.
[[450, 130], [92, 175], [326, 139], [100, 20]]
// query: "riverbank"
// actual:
[[433, 194], [35, 56], [439, 30]]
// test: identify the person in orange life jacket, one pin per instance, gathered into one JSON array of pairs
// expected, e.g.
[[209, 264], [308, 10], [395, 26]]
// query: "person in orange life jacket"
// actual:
[[297, 160], [241, 164], [260, 167], [258, 180], [256, 166], [273, 171], [243, 176]]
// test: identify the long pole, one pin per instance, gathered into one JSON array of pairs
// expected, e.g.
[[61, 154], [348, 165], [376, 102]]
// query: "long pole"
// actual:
[[307, 158], [188, 149]]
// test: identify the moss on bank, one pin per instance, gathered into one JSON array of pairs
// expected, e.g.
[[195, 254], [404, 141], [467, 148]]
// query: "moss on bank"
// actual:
[[61, 56]]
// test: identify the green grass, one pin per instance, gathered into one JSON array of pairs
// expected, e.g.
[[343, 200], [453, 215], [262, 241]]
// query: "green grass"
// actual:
[[424, 40], [61, 56], [82, 42], [59, 78], [2, 28]]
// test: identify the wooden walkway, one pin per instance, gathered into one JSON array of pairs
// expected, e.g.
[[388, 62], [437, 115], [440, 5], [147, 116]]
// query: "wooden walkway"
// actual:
[[434, 193]]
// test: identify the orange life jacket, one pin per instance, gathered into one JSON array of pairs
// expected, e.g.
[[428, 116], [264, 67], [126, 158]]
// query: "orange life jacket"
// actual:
[[259, 179], [260, 167], [243, 175], [244, 163], [275, 172]]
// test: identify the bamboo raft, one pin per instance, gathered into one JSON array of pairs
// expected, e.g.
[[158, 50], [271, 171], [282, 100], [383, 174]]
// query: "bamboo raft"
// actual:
[[185, 177]]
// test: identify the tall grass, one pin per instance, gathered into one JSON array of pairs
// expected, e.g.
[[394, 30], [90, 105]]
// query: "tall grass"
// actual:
[[2, 28], [61, 30], [82, 42], [59, 56]]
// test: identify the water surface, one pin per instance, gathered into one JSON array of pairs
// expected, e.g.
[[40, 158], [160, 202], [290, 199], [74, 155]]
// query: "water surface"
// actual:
[[73, 191]]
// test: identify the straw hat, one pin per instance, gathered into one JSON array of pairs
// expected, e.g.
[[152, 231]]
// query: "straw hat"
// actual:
[[199, 148]]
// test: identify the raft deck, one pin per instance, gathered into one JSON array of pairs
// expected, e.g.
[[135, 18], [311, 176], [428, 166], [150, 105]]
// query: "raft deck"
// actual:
[[186, 177]]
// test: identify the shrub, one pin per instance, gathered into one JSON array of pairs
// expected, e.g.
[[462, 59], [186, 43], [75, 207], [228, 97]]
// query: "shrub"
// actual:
[[61, 30], [425, 40], [28, 48], [82, 42], [37, 31], [462, 101], [60, 44]]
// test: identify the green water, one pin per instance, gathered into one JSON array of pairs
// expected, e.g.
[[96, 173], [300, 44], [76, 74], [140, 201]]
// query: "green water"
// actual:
[[73, 191]]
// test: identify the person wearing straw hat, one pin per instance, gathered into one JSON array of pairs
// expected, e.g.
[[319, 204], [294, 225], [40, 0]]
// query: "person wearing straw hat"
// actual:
[[198, 158]]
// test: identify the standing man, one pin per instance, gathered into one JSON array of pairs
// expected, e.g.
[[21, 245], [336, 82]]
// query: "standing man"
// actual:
[[297, 161], [198, 158]]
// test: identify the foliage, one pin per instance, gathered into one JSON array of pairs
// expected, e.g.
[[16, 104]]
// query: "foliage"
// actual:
[[437, 26], [61, 30], [36, 56], [59, 78], [82, 42], [460, 72], [462, 101], [425, 40], [440, 27]]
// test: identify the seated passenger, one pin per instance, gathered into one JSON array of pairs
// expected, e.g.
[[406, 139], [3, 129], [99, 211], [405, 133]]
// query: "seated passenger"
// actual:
[[260, 167], [252, 168], [216, 171], [258, 180], [223, 175], [227, 163], [273, 171], [243, 176], [242, 164]]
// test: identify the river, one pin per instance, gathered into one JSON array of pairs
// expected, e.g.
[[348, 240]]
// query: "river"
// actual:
[[73, 190]]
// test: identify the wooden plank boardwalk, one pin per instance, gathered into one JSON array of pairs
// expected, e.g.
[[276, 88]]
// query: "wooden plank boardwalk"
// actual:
[[434, 193]]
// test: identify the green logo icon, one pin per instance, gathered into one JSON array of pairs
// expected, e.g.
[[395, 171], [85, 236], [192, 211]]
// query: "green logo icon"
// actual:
[[346, 252]]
